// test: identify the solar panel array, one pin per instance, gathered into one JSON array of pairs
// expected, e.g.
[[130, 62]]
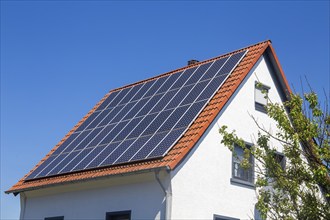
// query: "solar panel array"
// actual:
[[139, 122]]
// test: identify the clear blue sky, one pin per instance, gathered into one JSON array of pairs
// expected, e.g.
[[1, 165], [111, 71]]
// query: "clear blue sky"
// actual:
[[59, 58]]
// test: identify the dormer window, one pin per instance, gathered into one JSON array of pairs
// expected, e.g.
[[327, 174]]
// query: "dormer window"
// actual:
[[261, 96]]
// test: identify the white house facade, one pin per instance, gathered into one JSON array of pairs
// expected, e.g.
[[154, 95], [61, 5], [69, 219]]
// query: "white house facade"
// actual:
[[205, 176], [202, 181]]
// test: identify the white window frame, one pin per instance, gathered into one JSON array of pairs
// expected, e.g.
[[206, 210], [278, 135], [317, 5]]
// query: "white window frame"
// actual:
[[259, 98]]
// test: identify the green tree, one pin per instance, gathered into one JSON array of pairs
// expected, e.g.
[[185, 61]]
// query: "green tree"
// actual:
[[301, 190]]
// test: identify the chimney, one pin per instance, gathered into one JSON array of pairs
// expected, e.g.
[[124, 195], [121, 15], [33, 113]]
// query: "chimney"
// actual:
[[191, 62]]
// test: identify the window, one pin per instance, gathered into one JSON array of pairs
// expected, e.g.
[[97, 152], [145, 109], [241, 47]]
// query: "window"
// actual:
[[55, 218], [280, 159], [260, 96], [123, 215], [238, 172], [220, 217]]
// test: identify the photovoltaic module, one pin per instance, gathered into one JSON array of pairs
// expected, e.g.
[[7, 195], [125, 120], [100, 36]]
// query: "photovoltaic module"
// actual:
[[139, 122]]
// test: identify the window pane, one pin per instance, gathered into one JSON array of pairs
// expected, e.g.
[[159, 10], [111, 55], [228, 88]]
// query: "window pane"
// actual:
[[120, 217], [239, 172], [55, 218], [280, 159], [125, 215], [260, 96]]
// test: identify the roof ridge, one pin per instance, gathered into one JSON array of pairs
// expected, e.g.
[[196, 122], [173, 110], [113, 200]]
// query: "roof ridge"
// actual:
[[189, 66]]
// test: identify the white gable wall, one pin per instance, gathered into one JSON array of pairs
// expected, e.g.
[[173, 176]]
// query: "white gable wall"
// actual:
[[141, 194], [201, 184]]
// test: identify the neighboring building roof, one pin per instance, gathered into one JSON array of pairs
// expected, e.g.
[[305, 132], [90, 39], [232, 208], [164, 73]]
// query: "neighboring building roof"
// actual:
[[176, 154]]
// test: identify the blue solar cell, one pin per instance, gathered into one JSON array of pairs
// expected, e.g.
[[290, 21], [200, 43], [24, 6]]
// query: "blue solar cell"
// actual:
[[58, 167], [183, 79], [231, 63], [88, 121], [198, 74], [151, 103], [92, 154], [131, 94], [97, 120], [75, 160], [173, 119], [155, 86], [88, 138], [214, 69], [129, 127], [119, 97], [136, 108], [135, 147], [74, 143], [164, 101], [121, 148], [41, 167], [123, 112], [107, 119], [58, 159], [154, 125], [194, 93], [163, 146], [212, 87], [107, 100], [179, 97], [169, 82], [66, 143], [98, 138], [191, 113], [114, 132], [104, 154], [149, 146], [142, 125], [143, 90]]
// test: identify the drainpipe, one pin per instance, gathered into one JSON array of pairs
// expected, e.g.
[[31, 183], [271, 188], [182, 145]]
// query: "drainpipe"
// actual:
[[23, 205], [168, 196]]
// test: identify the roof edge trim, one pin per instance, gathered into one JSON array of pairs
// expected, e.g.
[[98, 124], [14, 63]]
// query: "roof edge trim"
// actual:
[[280, 70], [15, 192]]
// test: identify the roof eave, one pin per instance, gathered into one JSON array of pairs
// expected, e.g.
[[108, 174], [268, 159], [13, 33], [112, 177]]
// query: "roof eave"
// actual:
[[16, 192]]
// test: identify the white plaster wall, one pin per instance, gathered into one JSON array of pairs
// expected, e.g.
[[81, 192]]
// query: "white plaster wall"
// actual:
[[201, 184], [91, 200]]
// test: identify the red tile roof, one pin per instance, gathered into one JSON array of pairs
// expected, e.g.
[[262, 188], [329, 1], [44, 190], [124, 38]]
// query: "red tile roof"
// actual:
[[183, 146]]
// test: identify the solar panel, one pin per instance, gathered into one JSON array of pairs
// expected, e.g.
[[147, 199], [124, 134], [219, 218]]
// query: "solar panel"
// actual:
[[139, 122]]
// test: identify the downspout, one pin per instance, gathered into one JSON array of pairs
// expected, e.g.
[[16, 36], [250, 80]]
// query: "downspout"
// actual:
[[23, 205], [168, 196]]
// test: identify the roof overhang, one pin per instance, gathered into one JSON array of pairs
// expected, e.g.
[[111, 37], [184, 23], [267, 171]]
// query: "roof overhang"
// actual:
[[156, 169]]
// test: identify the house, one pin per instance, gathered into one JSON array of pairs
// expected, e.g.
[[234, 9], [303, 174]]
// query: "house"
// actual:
[[151, 150]]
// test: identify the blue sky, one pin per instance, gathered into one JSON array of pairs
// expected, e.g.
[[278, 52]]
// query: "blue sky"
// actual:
[[59, 58]]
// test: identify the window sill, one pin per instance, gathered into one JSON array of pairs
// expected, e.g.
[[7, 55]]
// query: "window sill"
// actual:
[[239, 182]]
